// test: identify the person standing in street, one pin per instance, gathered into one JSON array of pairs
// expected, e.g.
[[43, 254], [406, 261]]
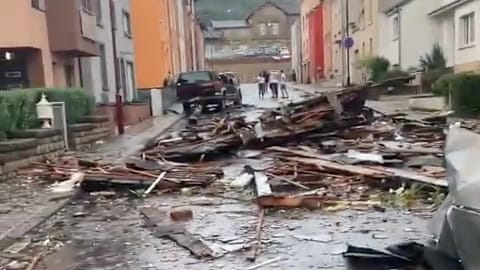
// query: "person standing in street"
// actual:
[[274, 80], [283, 84], [266, 75], [261, 85]]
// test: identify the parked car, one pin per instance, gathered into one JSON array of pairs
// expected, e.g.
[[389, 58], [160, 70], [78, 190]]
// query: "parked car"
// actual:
[[202, 88], [233, 92], [271, 51]]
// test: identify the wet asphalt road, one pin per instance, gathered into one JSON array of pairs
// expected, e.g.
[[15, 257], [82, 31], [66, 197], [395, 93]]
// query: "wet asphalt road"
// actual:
[[101, 233]]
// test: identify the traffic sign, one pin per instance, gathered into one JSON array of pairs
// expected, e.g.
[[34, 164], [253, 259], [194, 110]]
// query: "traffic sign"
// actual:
[[348, 42]]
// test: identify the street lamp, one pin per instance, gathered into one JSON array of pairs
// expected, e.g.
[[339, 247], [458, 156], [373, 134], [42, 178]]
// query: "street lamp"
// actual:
[[118, 96]]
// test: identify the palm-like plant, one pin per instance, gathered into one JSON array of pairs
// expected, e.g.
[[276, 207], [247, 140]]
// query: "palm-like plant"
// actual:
[[434, 60]]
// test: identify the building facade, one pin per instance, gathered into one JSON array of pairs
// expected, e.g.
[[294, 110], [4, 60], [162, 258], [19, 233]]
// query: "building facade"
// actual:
[[265, 31], [66, 44], [297, 49], [459, 33], [261, 41], [41, 47], [402, 47]]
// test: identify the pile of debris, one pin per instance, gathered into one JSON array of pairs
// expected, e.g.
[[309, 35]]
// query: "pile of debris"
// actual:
[[204, 139], [161, 175]]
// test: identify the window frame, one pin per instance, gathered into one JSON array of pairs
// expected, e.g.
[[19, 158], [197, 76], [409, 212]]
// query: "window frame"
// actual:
[[262, 29], [396, 27], [127, 24], [467, 30], [39, 5], [275, 29], [87, 6]]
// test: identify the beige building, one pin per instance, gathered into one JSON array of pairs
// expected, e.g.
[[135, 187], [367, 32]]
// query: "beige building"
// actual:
[[365, 33]]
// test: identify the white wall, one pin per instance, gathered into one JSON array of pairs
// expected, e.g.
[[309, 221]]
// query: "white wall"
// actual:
[[125, 49], [91, 66], [296, 47], [418, 34], [472, 53]]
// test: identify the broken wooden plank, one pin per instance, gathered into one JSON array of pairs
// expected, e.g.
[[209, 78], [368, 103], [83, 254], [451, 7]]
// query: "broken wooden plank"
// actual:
[[284, 179], [413, 176], [258, 237], [162, 227], [262, 186], [151, 187], [351, 169]]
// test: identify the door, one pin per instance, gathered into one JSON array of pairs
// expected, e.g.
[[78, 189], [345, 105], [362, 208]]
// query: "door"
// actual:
[[13, 74], [130, 83]]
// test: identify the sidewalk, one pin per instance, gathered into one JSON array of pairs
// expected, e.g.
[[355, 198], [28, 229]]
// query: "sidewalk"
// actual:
[[135, 137], [25, 202], [316, 88]]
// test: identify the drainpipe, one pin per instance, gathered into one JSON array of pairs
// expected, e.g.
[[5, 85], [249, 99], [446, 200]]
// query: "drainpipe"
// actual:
[[347, 18], [194, 40], [118, 95]]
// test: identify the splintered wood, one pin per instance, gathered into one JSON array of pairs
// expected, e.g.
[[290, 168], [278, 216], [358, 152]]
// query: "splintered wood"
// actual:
[[162, 176], [206, 138]]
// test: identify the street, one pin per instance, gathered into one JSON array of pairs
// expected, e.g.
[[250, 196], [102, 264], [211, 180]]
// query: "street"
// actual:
[[107, 231]]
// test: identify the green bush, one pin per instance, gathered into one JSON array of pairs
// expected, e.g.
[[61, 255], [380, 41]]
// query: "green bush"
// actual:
[[18, 107], [441, 86], [463, 91], [377, 66], [431, 76]]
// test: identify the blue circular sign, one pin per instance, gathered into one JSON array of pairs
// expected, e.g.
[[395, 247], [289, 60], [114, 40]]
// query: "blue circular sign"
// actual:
[[348, 42]]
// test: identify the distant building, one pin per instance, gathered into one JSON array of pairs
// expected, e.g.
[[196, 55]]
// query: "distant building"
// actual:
[[312, 21], [264, 33]]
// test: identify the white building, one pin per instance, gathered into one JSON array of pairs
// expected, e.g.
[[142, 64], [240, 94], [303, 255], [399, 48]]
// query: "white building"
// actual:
[[98, 73], [406, 31], [460, 32], [297, 48]]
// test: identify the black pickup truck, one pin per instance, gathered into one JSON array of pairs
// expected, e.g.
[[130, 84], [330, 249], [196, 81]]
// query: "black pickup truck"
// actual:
[[202, 88]]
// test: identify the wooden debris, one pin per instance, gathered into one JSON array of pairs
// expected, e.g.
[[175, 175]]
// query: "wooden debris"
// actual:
[[34, 261], [152, 187], [258, 237], [265, 263], [161, 227]]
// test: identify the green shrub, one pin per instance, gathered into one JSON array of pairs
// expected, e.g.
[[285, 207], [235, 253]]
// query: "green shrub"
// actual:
[[377, 67], [18, 107], [441, 86], [432, 76], [463, 91]]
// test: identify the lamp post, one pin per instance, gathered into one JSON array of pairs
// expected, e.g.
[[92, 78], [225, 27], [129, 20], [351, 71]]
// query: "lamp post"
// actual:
[[118, 96]]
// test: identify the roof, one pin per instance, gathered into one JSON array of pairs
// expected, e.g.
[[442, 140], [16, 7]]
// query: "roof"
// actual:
[[226, 24], [288, 6]]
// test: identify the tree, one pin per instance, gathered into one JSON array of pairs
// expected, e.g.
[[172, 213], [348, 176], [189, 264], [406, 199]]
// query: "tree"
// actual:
[[435, 60]]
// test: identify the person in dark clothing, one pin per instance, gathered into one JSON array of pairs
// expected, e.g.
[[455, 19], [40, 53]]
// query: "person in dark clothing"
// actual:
[[294, 76]]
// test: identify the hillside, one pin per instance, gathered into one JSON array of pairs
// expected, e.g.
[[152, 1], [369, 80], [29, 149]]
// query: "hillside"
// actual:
[[208, 10]]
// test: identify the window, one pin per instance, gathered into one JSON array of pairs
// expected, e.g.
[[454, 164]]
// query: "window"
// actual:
[[396, 27], [275, 29], [262, 28], [467, 30], [88, 5], [103, 64], [127, 26], [192, 77], [39, 4], [99, 13]]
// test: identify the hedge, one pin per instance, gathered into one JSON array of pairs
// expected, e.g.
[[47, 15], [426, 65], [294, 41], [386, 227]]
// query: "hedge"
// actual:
[[18, 107], [464, 91]]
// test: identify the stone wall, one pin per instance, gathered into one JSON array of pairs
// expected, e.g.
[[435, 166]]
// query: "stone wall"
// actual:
[[28, 146], [35, 145], [86, 134]]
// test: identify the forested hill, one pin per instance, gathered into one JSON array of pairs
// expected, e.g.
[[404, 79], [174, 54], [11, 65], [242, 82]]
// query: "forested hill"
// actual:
[[208, 10]]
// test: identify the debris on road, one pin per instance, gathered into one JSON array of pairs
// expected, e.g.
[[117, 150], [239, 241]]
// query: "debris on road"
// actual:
[[166, 176], [158, 222]]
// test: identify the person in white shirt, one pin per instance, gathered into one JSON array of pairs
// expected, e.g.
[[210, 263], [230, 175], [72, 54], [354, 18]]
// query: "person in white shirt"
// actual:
[[274, 80], [261, 86], [283, 84]]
